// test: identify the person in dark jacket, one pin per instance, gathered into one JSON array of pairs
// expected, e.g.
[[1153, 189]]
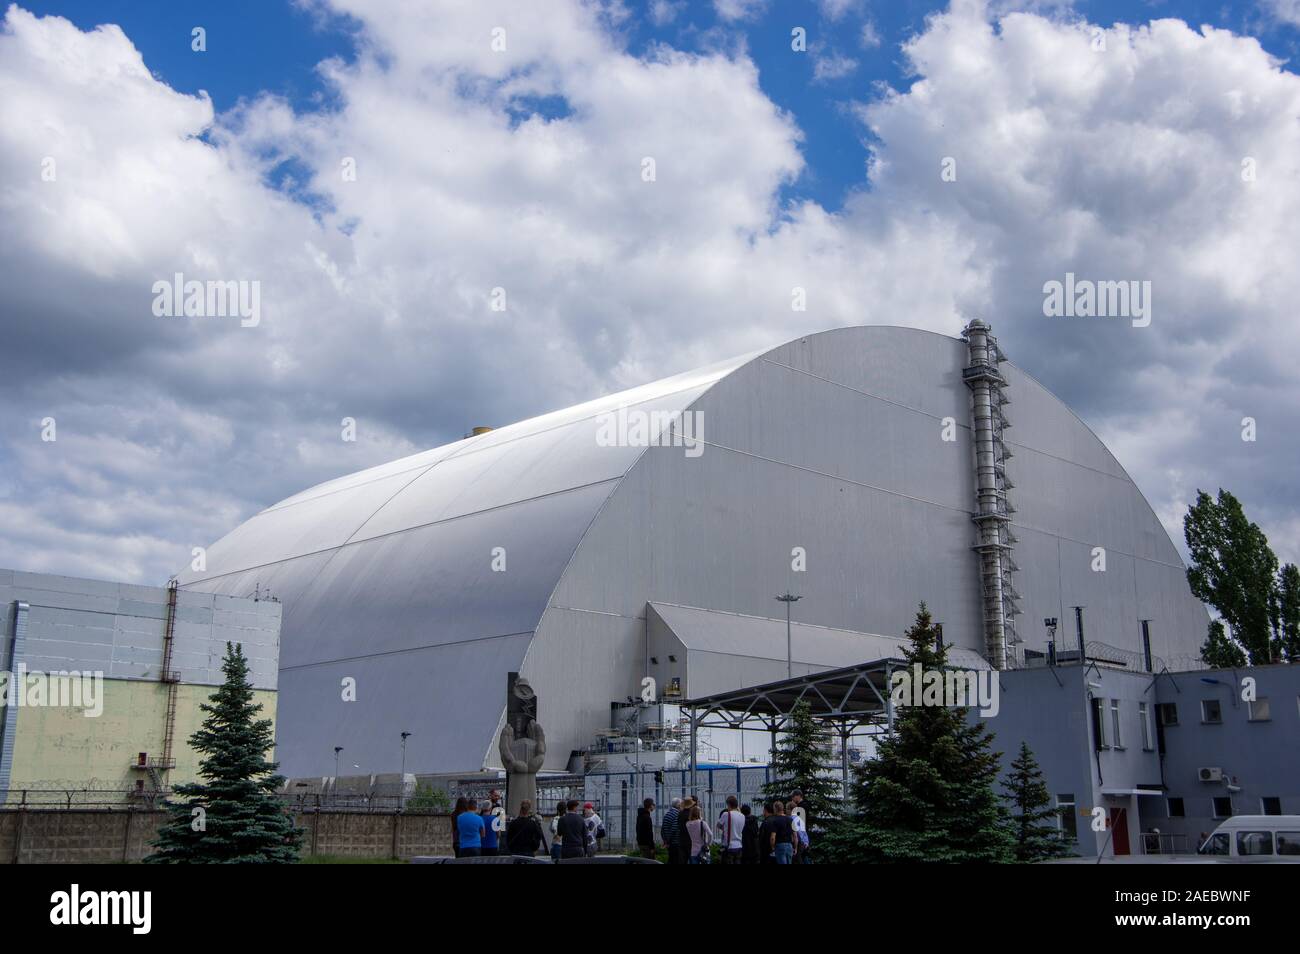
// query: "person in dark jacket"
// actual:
[[462, 804], [765, 832], [668, 829], [645, 828], [683, 836], [572, 832], [749, 837], [524, 833]]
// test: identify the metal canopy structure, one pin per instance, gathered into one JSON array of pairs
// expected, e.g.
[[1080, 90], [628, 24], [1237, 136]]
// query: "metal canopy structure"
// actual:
[[851, 695], [848, 699]]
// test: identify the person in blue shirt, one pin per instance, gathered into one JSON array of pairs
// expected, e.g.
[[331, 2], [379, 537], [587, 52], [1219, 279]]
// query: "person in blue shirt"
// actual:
[[489, 832], [470, 826]]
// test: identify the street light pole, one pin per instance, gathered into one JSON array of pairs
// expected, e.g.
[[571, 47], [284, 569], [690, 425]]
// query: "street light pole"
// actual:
[[401, 782], [787, 599]]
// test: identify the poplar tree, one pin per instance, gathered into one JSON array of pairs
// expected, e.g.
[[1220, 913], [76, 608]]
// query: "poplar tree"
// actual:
[[1220, 651], [1234, 570]]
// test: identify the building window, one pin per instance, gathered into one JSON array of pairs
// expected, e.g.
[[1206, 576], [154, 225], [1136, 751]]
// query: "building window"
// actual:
[[1223, 807], [1167, 713], [1069, 821], [1258, 711], [1117, 740], [1144, 716], [1271, 805], [1099, 724], [1211, 712], [1176, 809], [1216, 844]]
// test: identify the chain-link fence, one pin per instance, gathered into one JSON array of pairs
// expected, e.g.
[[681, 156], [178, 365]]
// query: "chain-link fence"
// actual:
[[620, 794]]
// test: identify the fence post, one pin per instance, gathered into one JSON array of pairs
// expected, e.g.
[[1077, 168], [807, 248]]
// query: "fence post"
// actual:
[[397, 821], [18, 831], [126, 836]]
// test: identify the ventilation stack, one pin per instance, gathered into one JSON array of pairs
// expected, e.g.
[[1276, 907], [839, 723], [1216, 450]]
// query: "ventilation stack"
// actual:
[[993, 512]]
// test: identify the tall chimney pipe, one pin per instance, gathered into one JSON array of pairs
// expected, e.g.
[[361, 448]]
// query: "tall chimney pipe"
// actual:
[[1078, 627]]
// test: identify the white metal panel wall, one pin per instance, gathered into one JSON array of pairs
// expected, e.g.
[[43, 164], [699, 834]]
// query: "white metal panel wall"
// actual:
[[118, 628]]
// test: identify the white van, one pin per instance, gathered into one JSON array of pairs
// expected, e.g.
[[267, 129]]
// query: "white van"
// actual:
[[1256, 838]]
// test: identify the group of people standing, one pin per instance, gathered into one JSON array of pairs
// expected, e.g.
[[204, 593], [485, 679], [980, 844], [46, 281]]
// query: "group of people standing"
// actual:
[[484, 829], [780, 837]]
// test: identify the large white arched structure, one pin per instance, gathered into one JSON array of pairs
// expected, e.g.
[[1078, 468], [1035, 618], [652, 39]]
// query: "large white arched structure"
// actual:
[[832, 443]]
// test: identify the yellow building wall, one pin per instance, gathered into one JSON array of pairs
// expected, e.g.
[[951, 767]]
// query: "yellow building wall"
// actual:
[[59, 747]]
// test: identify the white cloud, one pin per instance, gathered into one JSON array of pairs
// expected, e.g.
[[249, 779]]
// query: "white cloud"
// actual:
[[732, 10], [835, 9], [829, 65], [1122, 164], [1286, 11], [663, 12]]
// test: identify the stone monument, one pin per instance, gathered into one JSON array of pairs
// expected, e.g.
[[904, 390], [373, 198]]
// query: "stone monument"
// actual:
[[522, 744]]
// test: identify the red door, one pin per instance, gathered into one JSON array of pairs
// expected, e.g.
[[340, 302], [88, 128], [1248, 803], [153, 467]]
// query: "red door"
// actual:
[[1119, 830]]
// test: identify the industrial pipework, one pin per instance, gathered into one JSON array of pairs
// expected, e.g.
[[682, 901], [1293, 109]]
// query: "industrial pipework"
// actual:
[[992, 515]]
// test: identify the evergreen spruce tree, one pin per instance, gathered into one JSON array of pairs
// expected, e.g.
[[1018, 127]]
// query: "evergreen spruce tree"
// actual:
[[928, 793], [1221, 651], [241, 820], [1035, 837], [798, 763]]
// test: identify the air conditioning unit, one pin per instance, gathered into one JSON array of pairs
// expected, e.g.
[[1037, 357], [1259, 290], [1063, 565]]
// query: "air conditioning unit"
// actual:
[[1208, 774]]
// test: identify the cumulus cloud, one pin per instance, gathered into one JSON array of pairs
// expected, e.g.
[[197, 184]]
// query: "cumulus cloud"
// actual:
[[522, 172], [829, 65], [1285, 11], [732, 10]]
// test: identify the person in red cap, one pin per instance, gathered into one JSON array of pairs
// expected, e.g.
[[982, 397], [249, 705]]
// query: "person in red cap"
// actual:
[[595, 828]]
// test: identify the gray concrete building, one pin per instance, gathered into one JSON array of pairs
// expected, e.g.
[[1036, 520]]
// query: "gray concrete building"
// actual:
[[862, 469], [1167, 756], [144, 659]]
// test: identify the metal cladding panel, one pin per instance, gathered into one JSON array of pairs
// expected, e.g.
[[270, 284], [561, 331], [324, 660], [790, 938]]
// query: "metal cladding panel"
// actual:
[[668, 392], [735, 634], [504, 472], [435, 584], [812, 435], [408, 466], [450, 698], [1040, 421], [727, 650], [578, 663], [718, 531], [918, 369], [122, 636], [311, 525], [1058, 497], [1177, 628]]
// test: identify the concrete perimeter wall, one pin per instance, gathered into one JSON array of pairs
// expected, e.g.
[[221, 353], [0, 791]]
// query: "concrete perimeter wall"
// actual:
[[106, 836]]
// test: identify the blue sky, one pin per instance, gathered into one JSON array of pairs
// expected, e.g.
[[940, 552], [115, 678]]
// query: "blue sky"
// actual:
[[1126, 166], [256, 46]]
